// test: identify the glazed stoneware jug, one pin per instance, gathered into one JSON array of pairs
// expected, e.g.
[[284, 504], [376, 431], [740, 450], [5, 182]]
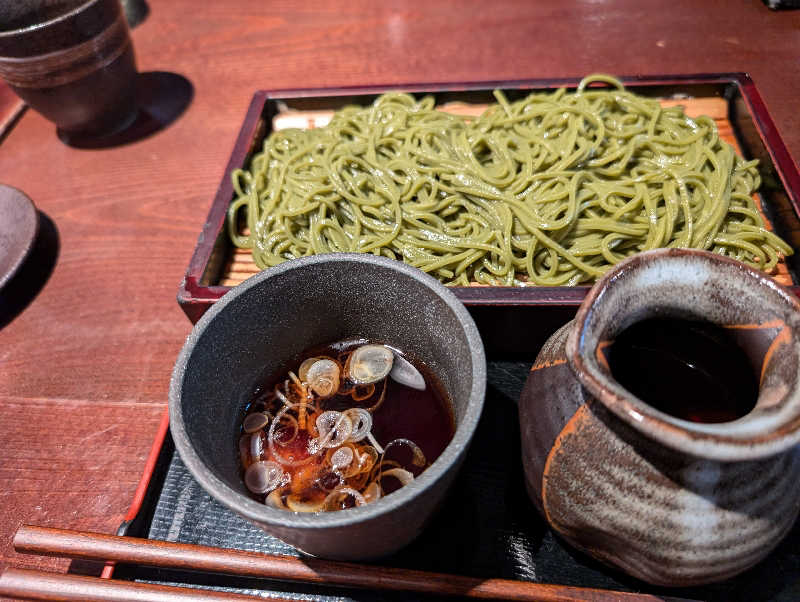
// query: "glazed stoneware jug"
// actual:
[[668, 500]]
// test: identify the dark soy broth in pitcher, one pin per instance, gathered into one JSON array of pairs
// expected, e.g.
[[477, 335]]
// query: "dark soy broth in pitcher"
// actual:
[[688, 369]]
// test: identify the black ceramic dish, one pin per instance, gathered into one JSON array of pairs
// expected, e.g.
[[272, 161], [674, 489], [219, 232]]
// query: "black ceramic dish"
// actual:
[[262, 324], [19, 223]]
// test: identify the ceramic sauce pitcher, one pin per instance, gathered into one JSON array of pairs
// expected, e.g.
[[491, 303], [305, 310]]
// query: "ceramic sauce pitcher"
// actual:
[[668, 500]]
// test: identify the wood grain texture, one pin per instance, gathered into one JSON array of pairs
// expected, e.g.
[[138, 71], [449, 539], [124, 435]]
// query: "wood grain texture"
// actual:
[[91, 355], [149, 552], [38, 585]]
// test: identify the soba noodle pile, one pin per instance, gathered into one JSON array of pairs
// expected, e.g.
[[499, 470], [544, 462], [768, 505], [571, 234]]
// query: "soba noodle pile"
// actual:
[[550, 190]]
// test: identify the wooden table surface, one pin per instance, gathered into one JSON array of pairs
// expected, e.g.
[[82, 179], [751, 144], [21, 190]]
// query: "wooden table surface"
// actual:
[[85, 366]]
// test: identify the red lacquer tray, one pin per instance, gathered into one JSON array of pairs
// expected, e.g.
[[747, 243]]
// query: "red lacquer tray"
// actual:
[[732, 99]]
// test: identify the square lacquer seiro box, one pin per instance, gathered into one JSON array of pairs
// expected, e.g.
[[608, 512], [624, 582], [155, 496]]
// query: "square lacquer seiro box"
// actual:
[[510, 318]]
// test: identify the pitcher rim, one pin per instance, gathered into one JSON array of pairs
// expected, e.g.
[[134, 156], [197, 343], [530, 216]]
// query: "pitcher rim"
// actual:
[[716, 441]]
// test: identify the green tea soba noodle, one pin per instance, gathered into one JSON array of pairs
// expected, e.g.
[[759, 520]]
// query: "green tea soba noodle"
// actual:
[[552, 189]]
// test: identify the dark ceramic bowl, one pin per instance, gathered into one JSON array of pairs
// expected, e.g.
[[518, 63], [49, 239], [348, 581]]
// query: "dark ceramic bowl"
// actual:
[[274, 316]]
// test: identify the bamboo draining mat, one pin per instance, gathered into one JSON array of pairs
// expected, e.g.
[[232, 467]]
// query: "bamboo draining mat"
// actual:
[[240, 265]]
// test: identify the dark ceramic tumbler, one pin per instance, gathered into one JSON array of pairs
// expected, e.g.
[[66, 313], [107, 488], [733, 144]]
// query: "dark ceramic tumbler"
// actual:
[[72, 61]]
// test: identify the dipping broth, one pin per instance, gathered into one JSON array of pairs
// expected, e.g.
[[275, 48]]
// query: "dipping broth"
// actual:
[[688, 369], [347, 424]]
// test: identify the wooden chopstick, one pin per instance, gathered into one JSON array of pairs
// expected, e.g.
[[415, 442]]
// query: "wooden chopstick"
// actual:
[[26, 584], [95, 546]]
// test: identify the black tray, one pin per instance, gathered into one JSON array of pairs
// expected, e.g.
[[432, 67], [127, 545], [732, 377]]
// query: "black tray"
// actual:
[[486, 528]]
